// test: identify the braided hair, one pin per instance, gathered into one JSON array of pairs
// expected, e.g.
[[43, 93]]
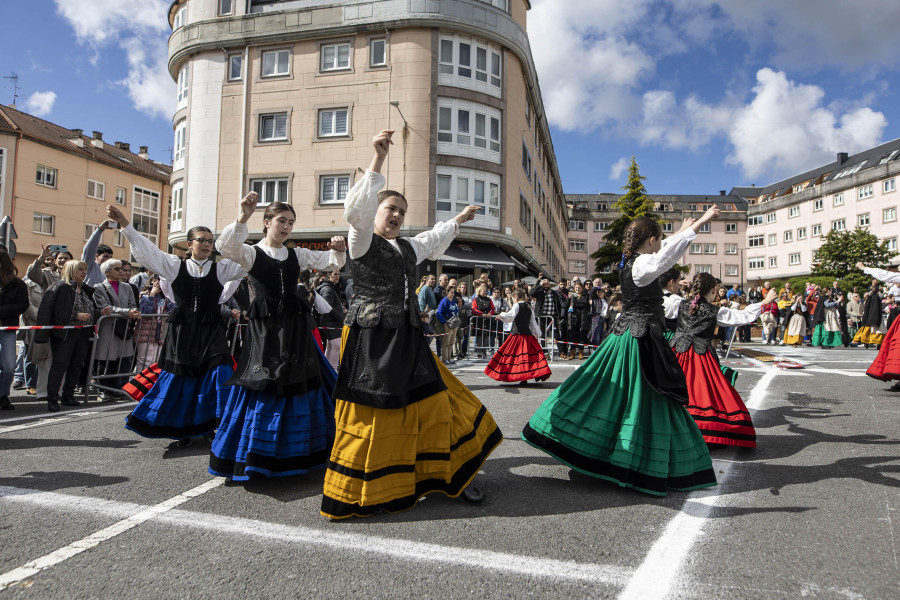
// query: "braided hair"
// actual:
[[667, 277], [700, 286], [638, 232]]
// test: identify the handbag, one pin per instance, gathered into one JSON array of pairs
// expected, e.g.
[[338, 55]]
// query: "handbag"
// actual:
[[453, 322], [123, 328]]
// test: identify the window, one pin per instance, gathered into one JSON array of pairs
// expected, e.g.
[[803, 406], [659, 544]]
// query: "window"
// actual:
[[176, 217], [89, 229], [601, 225], [730, 227], [602, 206], [274, 189], [335, 57], [888, 157], [696, 249], [850, 170], [459, 187], [773, 239], [703, 268], [888, 186], [816, 230], [179, 20], [889, 215], [579, 266], [709, 248], [692, 207], [577, 245], [793, 211], [818, 204], [770, 217], [755, 241], [96, 190], [145, 213], [276, 63], [794, 259], [45, 176], [773, 262], [731, 270], [801, 233], [705, 228], [333, 189], [225, 7], [891, 244], [788, 236], [666, 227], [235, 67], [757, 263], [43, 224], [118, 238], [273, 127], [755, 220], [526, 160], [469, 63], [501, 4], [180, 143], [731, 248], [864, 192], [378, 52], [838, 199], [838, 225], [524, 213], [862, 220], [181, 99], [469, 129], [576, 225], [334, 122]]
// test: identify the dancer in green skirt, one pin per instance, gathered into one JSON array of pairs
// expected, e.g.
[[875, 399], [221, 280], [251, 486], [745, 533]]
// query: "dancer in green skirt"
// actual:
[[622, 415]]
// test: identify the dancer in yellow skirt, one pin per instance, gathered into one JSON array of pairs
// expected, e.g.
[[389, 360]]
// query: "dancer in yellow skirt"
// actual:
[[406, 426], [871, 332]]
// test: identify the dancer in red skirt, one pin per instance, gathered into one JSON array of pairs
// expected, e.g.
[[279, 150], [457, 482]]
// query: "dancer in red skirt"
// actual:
[[716, 406], [886, 365], [520, 358]]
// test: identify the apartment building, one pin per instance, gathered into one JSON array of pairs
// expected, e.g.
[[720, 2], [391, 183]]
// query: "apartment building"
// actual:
[[55, 184], [717, 249], [787, 219], [284, 97]]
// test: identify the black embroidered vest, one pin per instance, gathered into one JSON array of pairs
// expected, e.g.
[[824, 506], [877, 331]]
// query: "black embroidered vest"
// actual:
[[274, 284], [522, 323], [196, 298], [379, 286], [695, 330], [642, 307]]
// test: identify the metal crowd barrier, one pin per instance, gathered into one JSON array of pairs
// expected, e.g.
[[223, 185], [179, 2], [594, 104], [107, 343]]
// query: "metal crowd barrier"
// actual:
[[486, 335]]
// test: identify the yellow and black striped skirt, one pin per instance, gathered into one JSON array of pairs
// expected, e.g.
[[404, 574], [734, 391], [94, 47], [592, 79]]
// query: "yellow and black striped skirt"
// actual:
[[868, 335]]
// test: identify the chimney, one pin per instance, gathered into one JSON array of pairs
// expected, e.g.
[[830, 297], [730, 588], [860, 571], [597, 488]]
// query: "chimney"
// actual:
[[721, 192], [76, 137], [841, 158], [123, 146], [97, 142], [144, 153]]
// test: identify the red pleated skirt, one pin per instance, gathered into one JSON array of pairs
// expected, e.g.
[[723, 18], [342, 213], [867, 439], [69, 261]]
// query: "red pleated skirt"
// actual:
[[886, 365], [520, 358], [717, 408], [138, 386]]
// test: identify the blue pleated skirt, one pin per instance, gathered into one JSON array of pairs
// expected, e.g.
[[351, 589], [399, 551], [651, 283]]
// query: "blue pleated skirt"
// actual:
[[179, 407]]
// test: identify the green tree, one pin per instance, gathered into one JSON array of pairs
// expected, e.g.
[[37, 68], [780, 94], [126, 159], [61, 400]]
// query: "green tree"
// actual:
[[841, 250], [634, 204]]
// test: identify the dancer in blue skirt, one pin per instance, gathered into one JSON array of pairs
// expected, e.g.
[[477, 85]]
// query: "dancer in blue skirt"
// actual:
[[278, 419], [196, 360]]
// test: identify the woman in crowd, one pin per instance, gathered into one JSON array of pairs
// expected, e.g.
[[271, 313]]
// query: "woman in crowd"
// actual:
[[448, 314], [482, 306], [13, 303], [520, 358], [67, 302], [465, 315], [331, 321], [406, 426], [794, 322], [278, 419], [769, 319], [827, 322], [151, 332], [870, 332], [599, 313], [886, 366], [714, 403], [579, 315], [114, 346], [620, 416]]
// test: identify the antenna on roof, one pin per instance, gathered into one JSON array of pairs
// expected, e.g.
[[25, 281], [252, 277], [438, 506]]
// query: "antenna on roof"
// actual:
[[15, 79]]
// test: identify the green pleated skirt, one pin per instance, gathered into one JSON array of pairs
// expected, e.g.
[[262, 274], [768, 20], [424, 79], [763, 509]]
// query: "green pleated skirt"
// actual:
[[608, 422], [821, 337]]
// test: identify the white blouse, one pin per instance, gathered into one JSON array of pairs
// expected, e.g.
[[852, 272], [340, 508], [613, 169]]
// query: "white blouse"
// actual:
[[882, 275], [231, 245], [730, 317], [510, 316], [671, 302], [648, 267]]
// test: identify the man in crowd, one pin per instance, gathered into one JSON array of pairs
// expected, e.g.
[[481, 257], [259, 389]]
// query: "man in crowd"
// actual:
[[428, 303], [548, 303], [734, 291]]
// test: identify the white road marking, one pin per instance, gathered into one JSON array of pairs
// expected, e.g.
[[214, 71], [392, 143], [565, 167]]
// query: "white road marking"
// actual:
[[417, 552], [55, 419], [655, 577], [34, 567]]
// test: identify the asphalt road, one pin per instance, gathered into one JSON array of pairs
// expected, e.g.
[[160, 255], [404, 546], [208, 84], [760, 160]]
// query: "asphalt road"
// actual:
[[91, 510]]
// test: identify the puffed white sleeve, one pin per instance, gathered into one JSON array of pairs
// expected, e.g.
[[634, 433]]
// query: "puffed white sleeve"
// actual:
[[535, 330], [433, 243], [510, 315], [229, 271], [360, 207], [671, 306], [231, 245], [321, 304], [228, 291], [166, 286], [882, 275], [729, 317], [320, 260], [648, 267], [151, 257]]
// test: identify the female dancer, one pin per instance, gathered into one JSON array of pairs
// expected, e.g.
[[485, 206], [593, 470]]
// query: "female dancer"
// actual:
[[670, 283], [520, 358], [278, 419], [886, 365], [870, 332], [619, 417], [406, 426], [795, 322], [827, 322], [196, 361], [714, 403]]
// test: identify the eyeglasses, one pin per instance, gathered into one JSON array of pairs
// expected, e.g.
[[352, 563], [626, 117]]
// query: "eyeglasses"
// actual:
[[202, 241]]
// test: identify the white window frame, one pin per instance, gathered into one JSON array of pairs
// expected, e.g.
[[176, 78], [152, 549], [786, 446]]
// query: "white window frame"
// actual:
[[273, 118], [731, 228], [181, 98], [144, 211], [335, 64], [794, 259], [889, 215], [709, 248], [267, 187], [462, 138], [118, 238], [702, 268], [46, 176], [788, 236], [891, 244], [839, 225], [838, 199], [731, 270], [93, 187], [577, 245], [276, 53], [773, 239], [773, 262], [864, 192], [89, 229], [754, 220], [695, 249], [731, 248], [579, 266], [338, 184], [176, 215], [604, 225], [576, 225], [321, 118], [757, 262], [221, 7], [793, 211], [121, 195], [888, 186], [180, 149], [756, 241], [818, 204], [863, 220], [469, 187], [229, 66], [801, 233], [668, 227], [384, 50], [817, 230], [486, 78], [180, 18], [705, 228], [45, 218], [771, 217]]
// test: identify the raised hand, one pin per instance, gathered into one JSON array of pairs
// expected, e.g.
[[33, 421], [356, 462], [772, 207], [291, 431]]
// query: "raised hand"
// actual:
[[116, 215], [860, 266], [770, 297], [467, 214], [338, 243], [248, 206]]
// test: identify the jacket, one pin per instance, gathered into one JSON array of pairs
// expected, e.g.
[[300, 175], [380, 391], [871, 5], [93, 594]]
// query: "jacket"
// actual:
[[57, 307], [13, 302]]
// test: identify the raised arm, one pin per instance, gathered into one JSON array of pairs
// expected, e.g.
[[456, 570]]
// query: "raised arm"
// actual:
[[231, 244], [89, 252], [324, 260], [879, 274], [647, 267], [361, 203], [510, 315]]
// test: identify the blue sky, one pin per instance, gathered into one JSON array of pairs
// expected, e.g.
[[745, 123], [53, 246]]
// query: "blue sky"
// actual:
[[706, 94]]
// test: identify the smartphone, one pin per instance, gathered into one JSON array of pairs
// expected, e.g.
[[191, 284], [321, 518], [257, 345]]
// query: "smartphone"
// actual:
[[112, 224], [58, 248]]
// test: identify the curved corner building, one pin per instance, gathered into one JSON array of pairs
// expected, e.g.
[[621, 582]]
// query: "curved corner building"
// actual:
[[284, 96]]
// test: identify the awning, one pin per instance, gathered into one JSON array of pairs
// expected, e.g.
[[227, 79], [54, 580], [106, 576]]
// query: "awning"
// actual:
[[472, 255]]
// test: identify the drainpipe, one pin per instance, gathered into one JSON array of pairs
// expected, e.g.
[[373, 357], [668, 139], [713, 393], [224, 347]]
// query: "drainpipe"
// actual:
[[246, 73]]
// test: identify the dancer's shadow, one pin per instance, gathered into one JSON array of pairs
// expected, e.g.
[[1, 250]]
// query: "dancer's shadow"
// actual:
[[286, 489], [48, 481], [7, 444], [200, 447]]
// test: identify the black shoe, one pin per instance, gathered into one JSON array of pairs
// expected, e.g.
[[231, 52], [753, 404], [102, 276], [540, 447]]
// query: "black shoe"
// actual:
[[894, 388], [52, 405], [18, 385], [523, 382], [5, 404], [184, 443], [472, 494], [210, 437], [70, 401]]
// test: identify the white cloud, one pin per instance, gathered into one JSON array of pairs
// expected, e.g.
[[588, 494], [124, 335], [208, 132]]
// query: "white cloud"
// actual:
[[620, 166], [40, 104], [140, 29]]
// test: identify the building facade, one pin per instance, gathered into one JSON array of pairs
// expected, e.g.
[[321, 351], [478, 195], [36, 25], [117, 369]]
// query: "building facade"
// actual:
[[787, 219], [55, 184], [717, 249], [284, 97]]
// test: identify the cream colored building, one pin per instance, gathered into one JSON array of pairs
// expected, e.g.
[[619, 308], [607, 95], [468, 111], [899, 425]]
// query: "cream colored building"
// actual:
[[55, 184], [284, 97]]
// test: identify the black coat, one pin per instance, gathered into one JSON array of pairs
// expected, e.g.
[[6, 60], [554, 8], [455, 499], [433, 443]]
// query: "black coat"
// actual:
[[13, 302], [580, 317], [539, 294], [57, 307]]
